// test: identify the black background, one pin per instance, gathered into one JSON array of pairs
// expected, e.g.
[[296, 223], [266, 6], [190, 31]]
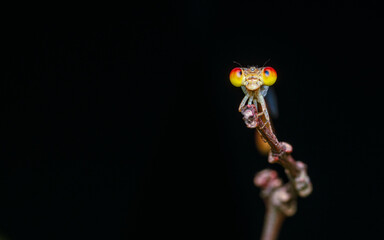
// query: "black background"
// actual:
[[128, 129]]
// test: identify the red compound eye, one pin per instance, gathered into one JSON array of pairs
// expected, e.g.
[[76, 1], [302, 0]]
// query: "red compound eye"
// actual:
[[236, 77], [269, 76]]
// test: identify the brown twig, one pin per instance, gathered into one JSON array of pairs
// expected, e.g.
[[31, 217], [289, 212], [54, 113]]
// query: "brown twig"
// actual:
[[280, 200]]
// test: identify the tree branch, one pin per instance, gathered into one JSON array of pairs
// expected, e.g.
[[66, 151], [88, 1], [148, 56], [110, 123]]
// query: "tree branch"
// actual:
[[280, 200]]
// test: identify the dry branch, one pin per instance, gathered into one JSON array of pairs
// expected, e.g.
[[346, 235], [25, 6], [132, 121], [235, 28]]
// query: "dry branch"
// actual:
[[280, 200]]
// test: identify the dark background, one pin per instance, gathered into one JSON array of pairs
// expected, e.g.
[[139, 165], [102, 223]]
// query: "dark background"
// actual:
[[128, 129]]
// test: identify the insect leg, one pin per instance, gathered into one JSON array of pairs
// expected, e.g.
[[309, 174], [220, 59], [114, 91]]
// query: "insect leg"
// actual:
[[264, 109], [244, 89], [243, 101], [250, 100], [255, 103]]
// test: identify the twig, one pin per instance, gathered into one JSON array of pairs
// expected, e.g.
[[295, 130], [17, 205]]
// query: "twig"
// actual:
[[280, 200]]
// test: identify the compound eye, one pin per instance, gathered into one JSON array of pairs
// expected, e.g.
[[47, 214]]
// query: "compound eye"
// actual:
[[236, 77], [269, 76]]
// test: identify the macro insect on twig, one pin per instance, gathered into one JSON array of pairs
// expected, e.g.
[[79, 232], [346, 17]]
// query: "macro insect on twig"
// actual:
[[255, 83], [280, 200]]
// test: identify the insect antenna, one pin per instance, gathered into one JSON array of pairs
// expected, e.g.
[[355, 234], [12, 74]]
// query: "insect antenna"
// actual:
[[237, 63], [266, 62]]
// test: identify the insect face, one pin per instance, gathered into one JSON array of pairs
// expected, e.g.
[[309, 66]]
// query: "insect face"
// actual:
[[253, 78]]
